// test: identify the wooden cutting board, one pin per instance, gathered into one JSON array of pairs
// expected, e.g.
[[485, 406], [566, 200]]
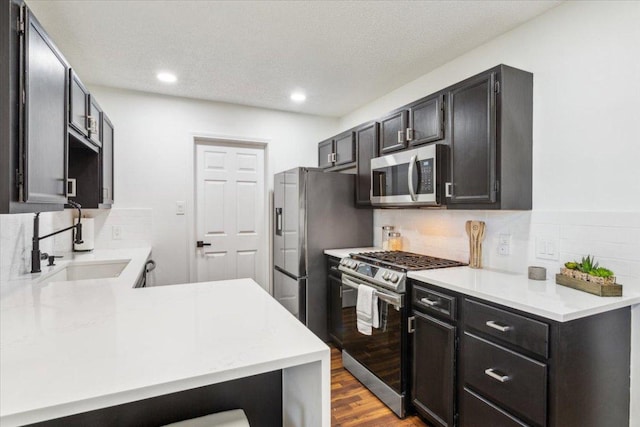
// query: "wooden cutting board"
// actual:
[[475, 231]]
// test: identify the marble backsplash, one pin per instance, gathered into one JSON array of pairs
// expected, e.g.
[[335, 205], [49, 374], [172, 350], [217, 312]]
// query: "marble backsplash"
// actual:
[[612, 237], [16, 231]]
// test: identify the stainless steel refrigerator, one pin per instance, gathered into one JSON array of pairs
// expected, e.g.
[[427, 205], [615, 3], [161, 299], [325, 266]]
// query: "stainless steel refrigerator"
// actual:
[[314, 211]]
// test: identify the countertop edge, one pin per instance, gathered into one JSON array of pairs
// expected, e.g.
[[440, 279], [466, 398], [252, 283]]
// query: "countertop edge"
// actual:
[[559, 317]]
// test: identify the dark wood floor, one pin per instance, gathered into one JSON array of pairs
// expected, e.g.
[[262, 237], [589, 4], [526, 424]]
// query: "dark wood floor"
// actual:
[[352, 404]]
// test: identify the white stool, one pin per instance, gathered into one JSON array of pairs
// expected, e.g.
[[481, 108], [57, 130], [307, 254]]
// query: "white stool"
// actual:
[[234, 418]]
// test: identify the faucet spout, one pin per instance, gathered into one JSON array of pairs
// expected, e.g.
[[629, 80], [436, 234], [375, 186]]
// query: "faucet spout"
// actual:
[[36, 255]]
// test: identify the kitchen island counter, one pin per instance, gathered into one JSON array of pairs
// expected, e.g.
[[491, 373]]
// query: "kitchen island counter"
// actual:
[[78, 346]]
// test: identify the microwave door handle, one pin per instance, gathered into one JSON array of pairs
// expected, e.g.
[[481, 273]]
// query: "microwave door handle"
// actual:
[[412, 166]]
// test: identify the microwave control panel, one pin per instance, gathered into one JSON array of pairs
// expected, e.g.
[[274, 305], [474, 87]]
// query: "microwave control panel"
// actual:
[[426, 177]]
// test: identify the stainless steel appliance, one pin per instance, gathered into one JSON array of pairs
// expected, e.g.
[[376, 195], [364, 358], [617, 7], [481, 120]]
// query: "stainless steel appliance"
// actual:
[[313, 211], [379, 360], [409, 178]]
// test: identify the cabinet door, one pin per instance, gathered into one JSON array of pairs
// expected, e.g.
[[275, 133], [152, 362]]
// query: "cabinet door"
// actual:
[[78, 104], [44, 149], [426, 122], [94, 121], [434, 369], [392, 132], [366, 149], [106, 155], [345, 149], [325, 154], [473, 141], [335, 309]]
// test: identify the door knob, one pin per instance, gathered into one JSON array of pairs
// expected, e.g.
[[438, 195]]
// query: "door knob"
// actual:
[[202, 244]]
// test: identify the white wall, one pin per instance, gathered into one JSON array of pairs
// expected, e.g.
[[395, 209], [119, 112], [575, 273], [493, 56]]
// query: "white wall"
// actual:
[[585, 57], [154, 148]]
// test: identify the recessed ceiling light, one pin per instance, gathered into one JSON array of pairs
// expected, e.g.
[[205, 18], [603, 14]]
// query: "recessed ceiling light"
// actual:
[[167, 77], [298, 96]]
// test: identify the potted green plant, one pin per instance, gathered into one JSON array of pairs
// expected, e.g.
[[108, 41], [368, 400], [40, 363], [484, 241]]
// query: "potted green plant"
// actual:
[[588, 270]]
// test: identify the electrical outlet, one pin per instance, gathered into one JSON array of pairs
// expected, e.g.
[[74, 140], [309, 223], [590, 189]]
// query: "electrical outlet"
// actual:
[[504, 244], [116, 232]]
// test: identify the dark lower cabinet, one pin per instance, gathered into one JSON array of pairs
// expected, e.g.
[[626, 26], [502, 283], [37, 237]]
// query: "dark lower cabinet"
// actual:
[[434, 357], [334, 279], [514, 368], [366, 149]]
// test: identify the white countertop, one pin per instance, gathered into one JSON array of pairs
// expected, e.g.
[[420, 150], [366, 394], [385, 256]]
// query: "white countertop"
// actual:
[[542, 298], [71, 347], [342, 253]]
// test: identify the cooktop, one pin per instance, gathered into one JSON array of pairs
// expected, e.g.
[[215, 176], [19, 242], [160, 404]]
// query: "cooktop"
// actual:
[[405, 261]]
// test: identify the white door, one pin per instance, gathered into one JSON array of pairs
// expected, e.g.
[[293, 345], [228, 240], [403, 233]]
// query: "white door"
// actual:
[[230, 213]]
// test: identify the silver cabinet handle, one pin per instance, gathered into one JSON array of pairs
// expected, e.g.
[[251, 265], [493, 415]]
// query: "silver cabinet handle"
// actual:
[[447, 189], [409, 134], [412, 165], [429, 302], [400, 137], [411, 324], [494, 325], [502, 378], [334, 157]]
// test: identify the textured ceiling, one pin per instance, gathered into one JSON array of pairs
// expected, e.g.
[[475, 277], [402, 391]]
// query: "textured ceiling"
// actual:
[[342, 54]]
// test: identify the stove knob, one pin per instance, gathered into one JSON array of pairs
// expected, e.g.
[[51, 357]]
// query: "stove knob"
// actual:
[[386, 275], [394, 278], [353, 265], [343, 261]]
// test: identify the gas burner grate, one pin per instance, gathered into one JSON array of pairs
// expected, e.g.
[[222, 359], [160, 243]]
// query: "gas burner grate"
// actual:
[[405, 260]]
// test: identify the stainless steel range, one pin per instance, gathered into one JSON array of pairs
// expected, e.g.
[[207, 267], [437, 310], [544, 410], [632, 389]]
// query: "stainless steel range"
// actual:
[[379, 360]]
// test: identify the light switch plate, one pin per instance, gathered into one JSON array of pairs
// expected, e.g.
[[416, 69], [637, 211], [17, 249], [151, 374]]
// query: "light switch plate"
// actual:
[[180, 207], [116, 232], [546, 248]]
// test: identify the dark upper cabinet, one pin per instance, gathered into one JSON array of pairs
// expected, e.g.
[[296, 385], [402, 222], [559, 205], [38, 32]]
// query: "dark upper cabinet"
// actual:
[[325, 154], [473, 141], [393, 132], [345, 151], [94, 121], [33, 99], [78, 105], [367, 137], [338, 152], [106, 157], [490, 133], [426, 121]]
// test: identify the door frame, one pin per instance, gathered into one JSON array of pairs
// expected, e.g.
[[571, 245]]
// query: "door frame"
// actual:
[[190, 212]]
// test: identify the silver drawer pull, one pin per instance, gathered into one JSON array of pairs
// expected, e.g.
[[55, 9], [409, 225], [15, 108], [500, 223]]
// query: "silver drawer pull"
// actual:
[[494, 325], [428, 301], [495, 376]]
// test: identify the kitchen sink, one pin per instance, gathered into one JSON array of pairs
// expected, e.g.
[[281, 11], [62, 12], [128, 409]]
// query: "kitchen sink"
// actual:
[[88, 270]]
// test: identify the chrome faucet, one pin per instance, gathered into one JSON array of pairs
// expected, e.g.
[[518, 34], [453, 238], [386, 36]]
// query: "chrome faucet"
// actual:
[[36, 255]]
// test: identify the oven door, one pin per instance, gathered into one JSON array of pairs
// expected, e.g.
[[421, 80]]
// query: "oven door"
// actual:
[[382, 351], [408, 178]]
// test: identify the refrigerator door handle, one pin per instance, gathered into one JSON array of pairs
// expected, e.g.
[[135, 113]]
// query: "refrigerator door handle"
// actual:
[[278, 221]]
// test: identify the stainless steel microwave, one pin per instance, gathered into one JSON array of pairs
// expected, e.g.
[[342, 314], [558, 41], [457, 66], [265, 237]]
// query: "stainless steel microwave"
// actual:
[[408, 178]]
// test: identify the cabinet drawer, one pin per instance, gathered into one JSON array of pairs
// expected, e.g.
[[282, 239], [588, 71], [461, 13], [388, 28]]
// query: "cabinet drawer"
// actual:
[[477, 412], [430, 301], [521, 331], [512, 381]]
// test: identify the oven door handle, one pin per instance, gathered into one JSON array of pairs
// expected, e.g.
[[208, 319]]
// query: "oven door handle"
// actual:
[[412, 166], [393, 299]]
